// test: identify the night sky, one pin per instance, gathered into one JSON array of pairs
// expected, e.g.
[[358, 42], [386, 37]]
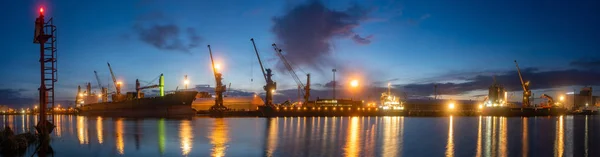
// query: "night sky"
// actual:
[[412, 44]]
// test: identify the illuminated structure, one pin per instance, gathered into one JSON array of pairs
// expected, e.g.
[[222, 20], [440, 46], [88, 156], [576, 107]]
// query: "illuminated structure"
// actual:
[[337, 103], [389, 101], [497, 95]]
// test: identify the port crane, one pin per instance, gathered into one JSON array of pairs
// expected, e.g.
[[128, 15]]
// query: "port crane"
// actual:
[[103, 90], [525, 85], [271, 85], [117, 96], [219, 87], [292, 72], [160, 86]]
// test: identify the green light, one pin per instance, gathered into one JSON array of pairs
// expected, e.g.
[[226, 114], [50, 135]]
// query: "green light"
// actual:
[[161, 85]]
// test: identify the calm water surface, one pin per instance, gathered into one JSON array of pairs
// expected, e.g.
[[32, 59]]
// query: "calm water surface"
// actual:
[[321, 136]]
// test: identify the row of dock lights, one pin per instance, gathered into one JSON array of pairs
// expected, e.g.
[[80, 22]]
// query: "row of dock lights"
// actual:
[[333, 108]]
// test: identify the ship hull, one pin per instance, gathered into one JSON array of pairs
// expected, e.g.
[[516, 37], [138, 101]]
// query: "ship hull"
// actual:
[[524, 112], [178, 104]]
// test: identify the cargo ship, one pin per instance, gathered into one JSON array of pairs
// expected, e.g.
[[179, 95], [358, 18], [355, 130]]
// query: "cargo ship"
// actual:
[[134, 104], [171, 105]]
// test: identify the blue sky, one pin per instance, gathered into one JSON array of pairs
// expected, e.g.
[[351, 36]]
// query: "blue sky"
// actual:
[[410, 42]]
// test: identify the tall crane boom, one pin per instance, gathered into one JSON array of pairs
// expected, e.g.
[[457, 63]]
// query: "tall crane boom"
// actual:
[[525, 85], [288, 66], [271, 85], [292, 72], [520, 76], [219, 87], [259, 61], [116, 84], [98, 79]]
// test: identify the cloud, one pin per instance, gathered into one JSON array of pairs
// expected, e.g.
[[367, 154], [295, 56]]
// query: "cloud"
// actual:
[[361, 40], [155, 29], [330, 84], [510, 80], [586, 63], [305, 32], [13, 98]]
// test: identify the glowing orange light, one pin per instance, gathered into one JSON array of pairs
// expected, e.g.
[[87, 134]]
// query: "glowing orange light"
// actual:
[[41, 10]]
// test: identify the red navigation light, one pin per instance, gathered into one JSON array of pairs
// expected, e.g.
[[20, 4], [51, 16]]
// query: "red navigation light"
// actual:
[[41, 10]]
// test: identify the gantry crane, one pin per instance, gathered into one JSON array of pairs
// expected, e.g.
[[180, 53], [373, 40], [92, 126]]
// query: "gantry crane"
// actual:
[[271, 85], [160, 86], [292, 72], [117, 96], [219, 87], [525, 85]]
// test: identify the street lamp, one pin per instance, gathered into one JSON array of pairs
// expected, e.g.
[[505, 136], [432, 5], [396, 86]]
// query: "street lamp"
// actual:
[[562, 98], [333, 70], [217, 66], [451, 106], [354, 83], [186, 82]]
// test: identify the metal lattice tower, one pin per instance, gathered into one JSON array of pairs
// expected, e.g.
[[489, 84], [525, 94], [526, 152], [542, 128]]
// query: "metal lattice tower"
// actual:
[[50, 62]]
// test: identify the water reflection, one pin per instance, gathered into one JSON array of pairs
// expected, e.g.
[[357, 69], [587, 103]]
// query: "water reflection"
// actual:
[[525, 139], [352, 145], [558, 141], [478, 153], [321, 136], [57, 122], [161, 136], [569, 137], [119, 131], [219, 137], [391, 136], [503, 137], [272, 129], [99, 130], [585, 145], [186, 137], [82, 132], [450, 144]]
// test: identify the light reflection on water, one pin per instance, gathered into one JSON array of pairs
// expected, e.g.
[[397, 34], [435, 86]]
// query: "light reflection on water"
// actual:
[[186, 137], [321, 136], [450, 144], [219, 137]]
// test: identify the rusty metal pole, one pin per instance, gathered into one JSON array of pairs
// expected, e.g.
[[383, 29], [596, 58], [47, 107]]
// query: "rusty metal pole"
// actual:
[[43, 101]]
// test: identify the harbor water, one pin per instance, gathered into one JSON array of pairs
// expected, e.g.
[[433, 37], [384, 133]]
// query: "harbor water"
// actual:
[[320, 136]]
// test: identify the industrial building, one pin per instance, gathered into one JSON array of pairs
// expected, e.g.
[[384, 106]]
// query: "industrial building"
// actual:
[[583, 99], [249, 103]]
